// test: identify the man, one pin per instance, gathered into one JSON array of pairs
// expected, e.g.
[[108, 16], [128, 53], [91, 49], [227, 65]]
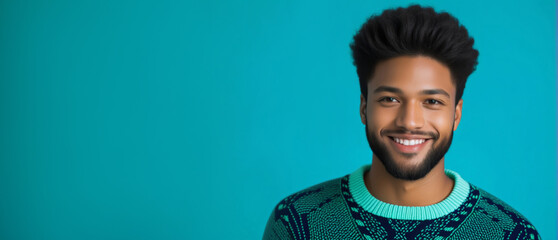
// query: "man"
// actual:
[[412, 65]]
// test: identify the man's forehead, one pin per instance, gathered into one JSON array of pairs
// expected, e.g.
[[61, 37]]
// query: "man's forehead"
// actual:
[[412, 74]]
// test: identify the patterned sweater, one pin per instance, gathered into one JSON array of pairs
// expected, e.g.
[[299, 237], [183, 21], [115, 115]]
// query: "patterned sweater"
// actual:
[[343, 208]]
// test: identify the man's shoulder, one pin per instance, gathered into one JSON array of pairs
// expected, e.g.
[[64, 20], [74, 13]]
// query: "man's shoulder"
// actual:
[[489, 200], [296, 215], [504, 216], [314, 195]]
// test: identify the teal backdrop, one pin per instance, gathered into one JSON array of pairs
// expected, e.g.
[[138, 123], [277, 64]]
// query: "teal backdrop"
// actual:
[[191, 120]]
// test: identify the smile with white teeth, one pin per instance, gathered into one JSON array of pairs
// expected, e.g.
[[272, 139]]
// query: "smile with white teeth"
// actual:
[[409, 142]]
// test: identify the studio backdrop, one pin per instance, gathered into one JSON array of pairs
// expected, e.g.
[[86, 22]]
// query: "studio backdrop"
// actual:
[[192, 119]]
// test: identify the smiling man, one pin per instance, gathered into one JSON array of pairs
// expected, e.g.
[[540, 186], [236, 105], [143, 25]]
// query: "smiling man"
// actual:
[[412, 65]]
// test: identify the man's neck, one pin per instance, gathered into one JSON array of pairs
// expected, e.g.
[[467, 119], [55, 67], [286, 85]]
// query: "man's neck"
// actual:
[[431, 189]]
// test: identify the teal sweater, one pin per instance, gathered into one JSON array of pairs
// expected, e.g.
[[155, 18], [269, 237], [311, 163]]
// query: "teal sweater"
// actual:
[[343, 208]]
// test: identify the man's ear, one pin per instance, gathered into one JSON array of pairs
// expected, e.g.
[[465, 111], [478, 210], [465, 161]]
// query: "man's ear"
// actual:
[[457, 115], [362, 109]]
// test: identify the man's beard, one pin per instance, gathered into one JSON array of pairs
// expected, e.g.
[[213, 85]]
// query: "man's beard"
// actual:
[[433, 157]]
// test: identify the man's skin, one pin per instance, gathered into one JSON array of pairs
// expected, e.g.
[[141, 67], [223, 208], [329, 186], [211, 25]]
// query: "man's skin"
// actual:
[[402, 111]]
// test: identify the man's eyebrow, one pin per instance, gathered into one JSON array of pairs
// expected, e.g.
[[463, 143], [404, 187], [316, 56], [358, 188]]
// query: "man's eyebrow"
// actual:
[[388, 89], [423, 92], [434, 92]]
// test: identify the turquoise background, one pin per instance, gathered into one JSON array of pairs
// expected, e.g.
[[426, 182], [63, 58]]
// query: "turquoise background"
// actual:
[[191, 120]]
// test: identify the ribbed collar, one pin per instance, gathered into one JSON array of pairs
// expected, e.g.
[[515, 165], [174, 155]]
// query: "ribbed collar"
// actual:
[[373, 205]]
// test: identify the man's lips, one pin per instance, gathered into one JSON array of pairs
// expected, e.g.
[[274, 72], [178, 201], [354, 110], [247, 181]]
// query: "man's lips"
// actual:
[[409, 136], [409, 144]]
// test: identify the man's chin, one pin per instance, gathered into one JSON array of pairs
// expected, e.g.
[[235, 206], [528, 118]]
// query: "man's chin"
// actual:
[[408, 161], [407, 170]]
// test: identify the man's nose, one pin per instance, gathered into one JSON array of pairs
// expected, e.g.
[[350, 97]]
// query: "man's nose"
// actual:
[[410, 116]]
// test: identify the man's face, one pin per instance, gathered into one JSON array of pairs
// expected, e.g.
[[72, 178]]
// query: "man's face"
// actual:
[[410, 115]]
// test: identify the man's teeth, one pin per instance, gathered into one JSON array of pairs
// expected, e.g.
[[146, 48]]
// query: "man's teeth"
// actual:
[[409, 141]]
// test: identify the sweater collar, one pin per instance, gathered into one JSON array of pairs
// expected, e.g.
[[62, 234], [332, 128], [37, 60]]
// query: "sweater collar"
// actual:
[[371, 204]]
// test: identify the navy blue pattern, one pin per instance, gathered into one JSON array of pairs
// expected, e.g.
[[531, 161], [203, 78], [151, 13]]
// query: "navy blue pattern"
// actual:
[[329, 211]]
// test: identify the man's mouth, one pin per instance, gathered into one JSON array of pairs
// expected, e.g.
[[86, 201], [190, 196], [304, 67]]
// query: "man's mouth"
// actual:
[[408, 142], [408, 145]]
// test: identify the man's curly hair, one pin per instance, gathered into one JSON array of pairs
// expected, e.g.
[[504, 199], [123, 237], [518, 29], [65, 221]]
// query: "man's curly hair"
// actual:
[[414, 31]]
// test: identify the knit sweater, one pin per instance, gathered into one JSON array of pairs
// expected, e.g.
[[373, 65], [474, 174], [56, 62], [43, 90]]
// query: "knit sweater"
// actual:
[[343, 208]]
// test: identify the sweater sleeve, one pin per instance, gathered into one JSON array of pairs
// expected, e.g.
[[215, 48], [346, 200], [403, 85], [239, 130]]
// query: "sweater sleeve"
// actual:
[[277, 228], [528, 232]]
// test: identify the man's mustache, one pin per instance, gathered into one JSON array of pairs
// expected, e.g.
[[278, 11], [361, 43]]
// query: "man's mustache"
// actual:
[[432, 135]]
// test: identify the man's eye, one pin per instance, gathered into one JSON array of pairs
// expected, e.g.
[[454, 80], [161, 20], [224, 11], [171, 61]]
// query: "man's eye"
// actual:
[[433, 101], [388, 99]]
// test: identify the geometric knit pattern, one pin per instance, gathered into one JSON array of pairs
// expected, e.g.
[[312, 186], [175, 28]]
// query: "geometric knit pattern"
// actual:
[[329, 211]]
